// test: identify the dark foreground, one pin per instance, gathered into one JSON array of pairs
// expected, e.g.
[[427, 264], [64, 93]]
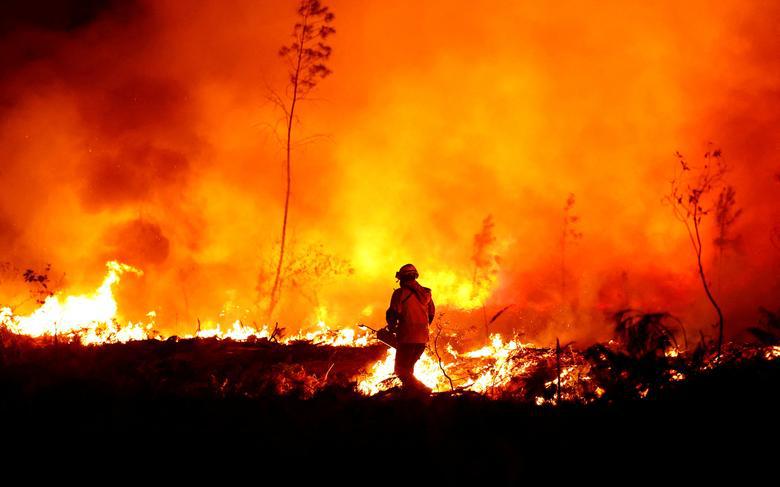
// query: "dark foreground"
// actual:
[[698, 433], [722, 422]]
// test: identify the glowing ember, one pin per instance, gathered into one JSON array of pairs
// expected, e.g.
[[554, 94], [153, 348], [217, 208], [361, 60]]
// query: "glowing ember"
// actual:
[[773, 352], [677, 376]]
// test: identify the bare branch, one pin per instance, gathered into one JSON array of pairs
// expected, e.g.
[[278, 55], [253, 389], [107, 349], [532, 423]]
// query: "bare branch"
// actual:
[[689, 197]]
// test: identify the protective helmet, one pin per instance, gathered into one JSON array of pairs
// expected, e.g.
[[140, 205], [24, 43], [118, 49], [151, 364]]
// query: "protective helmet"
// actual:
[[407, 271]]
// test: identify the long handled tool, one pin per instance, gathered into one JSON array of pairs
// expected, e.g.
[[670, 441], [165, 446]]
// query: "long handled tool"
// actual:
[[383, 335]]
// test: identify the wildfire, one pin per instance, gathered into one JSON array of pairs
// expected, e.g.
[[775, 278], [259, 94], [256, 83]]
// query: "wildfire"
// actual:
[[92, 320], [380, 376], [773, 353], [486, 370], [491, 370], [91, 317], [237, 331], [322, 334]]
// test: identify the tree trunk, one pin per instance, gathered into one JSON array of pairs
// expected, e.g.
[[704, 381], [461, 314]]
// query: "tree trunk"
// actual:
[[705, 285], [275, 290]]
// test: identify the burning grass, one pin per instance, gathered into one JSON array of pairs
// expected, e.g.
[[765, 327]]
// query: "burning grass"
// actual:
[[256, 367], [79, 340], [195, 367]]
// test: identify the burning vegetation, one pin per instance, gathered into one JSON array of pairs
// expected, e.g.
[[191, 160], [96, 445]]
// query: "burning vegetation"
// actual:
[[649, 352], [203, 203]]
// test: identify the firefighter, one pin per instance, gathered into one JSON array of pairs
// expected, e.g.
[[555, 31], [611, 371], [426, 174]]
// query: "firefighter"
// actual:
[[411, 311]]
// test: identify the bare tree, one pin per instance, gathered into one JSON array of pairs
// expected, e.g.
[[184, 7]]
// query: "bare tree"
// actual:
[[690, 197], [306, 56]]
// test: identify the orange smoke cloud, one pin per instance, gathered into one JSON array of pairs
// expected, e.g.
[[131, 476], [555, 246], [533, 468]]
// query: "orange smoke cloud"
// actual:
[[145, 134]]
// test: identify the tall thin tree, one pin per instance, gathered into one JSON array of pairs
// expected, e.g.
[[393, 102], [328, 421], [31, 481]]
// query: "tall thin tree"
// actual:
[[691, 200], [306, 58]]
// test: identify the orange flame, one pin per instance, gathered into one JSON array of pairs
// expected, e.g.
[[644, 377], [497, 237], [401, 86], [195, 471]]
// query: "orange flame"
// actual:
[[91, 317], [92, 320]]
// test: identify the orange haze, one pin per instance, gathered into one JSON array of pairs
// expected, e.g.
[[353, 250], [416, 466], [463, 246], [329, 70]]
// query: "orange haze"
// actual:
[[450, 135]]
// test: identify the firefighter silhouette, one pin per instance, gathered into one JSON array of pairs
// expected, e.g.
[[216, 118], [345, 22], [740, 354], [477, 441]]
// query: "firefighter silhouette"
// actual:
[[411, 311]]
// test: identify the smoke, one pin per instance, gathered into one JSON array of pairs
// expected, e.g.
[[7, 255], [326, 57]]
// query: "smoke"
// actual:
[[143, 132]]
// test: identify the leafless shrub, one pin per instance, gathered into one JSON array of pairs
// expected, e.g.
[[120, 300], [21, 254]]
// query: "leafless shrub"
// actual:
[[690, 197]]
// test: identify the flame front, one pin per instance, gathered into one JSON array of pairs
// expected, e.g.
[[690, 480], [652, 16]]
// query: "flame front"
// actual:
[[490, 370], [91, 317]]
